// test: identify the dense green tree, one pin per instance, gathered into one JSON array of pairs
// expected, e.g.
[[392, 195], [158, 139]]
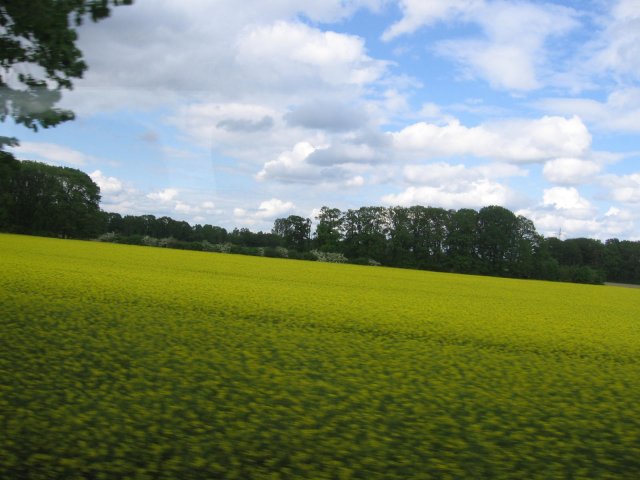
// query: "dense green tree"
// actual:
[[630, 253], [39, 57], [210, 233], [329, 229], [622, 261], [613, 258], [50, 200], [8, 168], [365, 233], [461, 242], [112, 222], [554, 246], [429, 228], [135, 225], [246, 238], [497, 237], [545, 266], [295, 231], [401, 240], [591, 251], [571, 253], [583, 260], [526, 256]]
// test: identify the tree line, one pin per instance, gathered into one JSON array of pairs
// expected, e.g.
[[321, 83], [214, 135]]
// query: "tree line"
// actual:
[[489, 241], [41, 199]]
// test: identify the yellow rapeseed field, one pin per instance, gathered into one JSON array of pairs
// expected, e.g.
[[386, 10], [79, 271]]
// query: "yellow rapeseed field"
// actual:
[[146, 363]]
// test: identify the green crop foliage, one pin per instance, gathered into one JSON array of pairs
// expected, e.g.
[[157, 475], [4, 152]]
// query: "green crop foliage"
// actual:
[[121, 362]]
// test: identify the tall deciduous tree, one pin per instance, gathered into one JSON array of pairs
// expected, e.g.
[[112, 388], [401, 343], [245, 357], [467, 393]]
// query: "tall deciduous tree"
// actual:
[[49, 200], [497, 239], [461, 244], [365, 233], [329, 229], [401, 239], [8, 168], [295, 230], [39, 57]]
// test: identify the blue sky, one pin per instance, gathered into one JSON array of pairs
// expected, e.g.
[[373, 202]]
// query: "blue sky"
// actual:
[[236, 113]]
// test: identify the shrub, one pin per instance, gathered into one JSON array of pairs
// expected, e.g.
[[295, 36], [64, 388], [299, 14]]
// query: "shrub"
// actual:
[[150, 241], [330, 257], [109, 237]]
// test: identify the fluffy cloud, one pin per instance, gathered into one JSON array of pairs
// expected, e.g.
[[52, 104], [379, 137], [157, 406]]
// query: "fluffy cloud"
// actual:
[[551, 223], [332, 116], [225, 125], [564, 212], [290, 165], [290, 55], [512, 52], [418, 13], [565, 198], [564, 223], [624, 188], [159, 53], [456, 186], [620, 112], [52, 153], [121, 197], [163, 196], [253, 132], [469, 194], [298, 166], [618, 49], [108, 185], [348, 151], [514, 141], [246, 126], [444, 173], [621, 223], [268, 210], [570, 171], [186, 208]]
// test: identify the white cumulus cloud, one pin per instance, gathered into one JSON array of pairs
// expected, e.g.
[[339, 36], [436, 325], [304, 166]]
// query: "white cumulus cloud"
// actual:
[[108, 185], [164, 196], [472, 194], [570, 171], [51, 153], [510, 54], [441, 173], [620, 112], [565, 198], [309, 164], [624, 188], [618, 49], [511, 141], [456, 186], [290, 165], [291, 54], [267, 211], [418, 13]]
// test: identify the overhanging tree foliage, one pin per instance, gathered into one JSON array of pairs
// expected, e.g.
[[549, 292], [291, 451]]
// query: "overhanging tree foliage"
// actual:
[[39, 57]]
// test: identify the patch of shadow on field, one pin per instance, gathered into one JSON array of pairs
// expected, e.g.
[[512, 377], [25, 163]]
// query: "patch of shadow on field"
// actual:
[[624, 285], [451, 339]]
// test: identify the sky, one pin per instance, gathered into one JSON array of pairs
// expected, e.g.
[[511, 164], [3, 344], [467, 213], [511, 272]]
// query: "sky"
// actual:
[[237, 113]]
